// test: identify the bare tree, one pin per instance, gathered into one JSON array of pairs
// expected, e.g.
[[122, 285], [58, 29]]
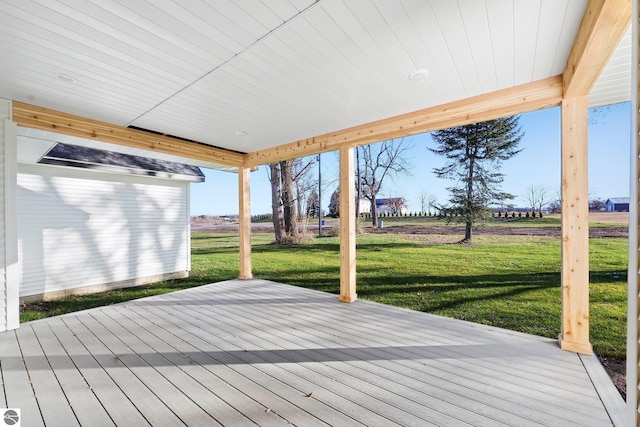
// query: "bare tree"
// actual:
[[538, 197], [427, 202], [290, 214], [555, 205], [596, 204], [396, 204], [303, 182], [378, 161], [276, 200], [432, 203], [288, 188], [423, 202], [358, 184]]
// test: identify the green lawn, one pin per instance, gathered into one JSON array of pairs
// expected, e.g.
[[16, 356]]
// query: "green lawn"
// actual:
[[511, 282]]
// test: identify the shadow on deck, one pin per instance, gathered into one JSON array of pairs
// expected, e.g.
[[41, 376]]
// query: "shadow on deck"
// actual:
[[258, 352]]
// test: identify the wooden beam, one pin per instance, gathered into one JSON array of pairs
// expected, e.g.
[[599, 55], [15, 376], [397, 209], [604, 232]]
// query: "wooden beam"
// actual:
[[244, 177], [601, 29], [575, 227], [347, 227], [519, 99], [55, 121]]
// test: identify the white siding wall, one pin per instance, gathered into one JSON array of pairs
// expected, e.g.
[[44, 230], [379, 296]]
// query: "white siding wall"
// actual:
[[4, 113], [9, 304], [79, 228]]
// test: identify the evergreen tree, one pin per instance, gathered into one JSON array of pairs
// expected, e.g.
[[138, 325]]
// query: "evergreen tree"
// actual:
[[334, 204], [313, 204], [474, 155]]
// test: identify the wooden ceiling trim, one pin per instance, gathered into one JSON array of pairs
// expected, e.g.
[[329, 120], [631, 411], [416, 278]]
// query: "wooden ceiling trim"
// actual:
[[41, 118], [506, 102], [601, 29]]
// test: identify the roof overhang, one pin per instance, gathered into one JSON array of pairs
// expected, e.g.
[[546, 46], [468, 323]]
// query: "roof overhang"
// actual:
[[276, 81], [80, 157]]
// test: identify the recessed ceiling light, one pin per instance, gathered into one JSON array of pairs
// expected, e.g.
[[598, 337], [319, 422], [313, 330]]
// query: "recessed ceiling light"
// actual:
[[67, 78], [419, 74], [241, 133]]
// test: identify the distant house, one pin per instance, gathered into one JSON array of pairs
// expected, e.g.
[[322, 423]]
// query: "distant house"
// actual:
[[91, 220], [364, 205], [617, 204], [393, 205]]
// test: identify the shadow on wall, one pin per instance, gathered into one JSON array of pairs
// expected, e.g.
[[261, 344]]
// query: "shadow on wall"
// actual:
[[79, 229]]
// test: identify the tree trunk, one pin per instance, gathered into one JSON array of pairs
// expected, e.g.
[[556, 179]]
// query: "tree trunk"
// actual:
[[358, 183], [288, 202], [298, 199], [467, 232], [276, 201], [468, 202], [374, 211]]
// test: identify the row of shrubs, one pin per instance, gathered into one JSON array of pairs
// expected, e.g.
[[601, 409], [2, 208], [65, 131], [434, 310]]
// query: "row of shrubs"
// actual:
[[517, 214], [505, 215], [443, 214]]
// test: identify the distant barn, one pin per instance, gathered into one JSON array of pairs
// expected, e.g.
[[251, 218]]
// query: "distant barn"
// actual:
[[617, 204]]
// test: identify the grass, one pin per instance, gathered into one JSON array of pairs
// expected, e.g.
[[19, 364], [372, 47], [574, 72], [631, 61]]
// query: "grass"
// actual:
[[511, 282]]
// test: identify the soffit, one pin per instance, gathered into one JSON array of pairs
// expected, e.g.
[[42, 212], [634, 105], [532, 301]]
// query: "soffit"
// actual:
[[279, 70], [614, 84]]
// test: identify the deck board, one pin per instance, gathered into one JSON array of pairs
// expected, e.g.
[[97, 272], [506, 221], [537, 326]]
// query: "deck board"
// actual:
[[373, 387], [284, 412], [18, 385], [207, 348], [85, 405], [148, 367], [47, 389], [117, 405], [253, 327], [207, 385], [345, 385], [256, 352], [482, 353], [154, 411]]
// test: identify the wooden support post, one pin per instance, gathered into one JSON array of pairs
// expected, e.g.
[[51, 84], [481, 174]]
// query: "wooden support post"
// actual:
[[245, 222], [347, 227], [575, 227]]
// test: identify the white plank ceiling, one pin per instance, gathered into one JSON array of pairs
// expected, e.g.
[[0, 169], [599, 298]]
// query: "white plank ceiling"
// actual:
[[280, 70]]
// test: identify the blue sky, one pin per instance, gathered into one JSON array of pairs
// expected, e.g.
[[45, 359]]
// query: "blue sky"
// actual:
[[537, 164]]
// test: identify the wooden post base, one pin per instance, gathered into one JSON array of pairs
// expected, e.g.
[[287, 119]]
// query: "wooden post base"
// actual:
[[348, 298], [575, 347]]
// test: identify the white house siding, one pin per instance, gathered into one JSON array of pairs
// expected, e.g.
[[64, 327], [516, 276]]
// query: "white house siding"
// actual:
[[4, 113], [83, 229], [9, 304]]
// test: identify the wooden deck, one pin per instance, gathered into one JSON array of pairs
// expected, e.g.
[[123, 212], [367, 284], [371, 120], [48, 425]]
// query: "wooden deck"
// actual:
[[256, 352]]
